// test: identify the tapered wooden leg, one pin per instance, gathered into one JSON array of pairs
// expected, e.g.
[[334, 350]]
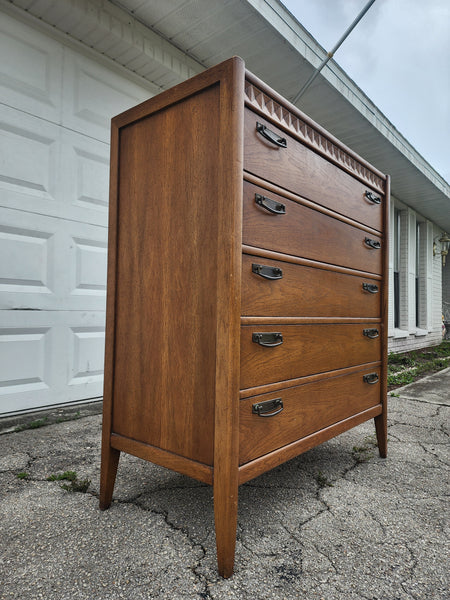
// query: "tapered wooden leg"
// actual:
[[381, 430], [110, 462], [225, 514]]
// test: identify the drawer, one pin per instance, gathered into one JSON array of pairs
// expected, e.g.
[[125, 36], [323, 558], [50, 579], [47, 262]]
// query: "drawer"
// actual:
[[304, 350], [305, 409], [305, 232], [303, 172], [301, 291]]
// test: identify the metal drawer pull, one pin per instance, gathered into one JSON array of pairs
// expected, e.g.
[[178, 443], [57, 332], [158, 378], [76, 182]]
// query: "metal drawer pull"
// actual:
[[373, 243], [272, 206], [371, 196], [371, 333], [268, 340], [263, 409], [267, 272], [370, 287], [271, 136], [371, 378]]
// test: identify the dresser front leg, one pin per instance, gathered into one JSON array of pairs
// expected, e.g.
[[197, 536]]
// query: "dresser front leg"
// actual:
[[110, 462], [225, 515], [381, 431]]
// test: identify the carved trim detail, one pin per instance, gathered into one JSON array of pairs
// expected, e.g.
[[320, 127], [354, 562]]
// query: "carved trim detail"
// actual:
[[313, 138]]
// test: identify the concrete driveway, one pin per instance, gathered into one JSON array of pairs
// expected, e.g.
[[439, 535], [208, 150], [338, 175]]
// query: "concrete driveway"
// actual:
[[336, 523]]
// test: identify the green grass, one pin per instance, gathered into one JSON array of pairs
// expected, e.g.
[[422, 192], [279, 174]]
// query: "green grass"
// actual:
[[22, 475], [410, 366]]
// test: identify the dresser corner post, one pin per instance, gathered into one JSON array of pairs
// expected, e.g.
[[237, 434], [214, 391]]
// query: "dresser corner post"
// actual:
[[381, 420], [229, 256], [110, 462], [225, 487], [109, 455], [381, 431]]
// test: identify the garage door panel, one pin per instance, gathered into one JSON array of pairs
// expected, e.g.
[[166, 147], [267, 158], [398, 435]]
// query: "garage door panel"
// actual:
[[27, 248], [48, 170], [89, 269], [30, 150], [85, 175], [24, 360], [92, 95], [30, 78], [49, 358], [51, 264], [55, 109], [86, 355]]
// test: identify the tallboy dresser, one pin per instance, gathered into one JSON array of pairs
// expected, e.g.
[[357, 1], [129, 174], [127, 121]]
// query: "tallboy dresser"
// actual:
[[247, 287]]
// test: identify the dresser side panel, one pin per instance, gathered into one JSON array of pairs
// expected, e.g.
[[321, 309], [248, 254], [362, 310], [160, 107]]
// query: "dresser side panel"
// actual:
[[164, 373]]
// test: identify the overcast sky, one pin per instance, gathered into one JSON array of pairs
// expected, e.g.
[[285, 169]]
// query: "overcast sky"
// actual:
[[399, 55]]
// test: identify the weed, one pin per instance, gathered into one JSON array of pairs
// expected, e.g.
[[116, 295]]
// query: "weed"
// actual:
[[75, 484], [32, 425], [22, 475], [364, 453], [45, 421], [67, 475], [322, 480], [394, 395], [73, 417]]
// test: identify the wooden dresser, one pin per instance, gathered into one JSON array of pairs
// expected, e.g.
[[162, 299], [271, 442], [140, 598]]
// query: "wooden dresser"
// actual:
[[247, 287]]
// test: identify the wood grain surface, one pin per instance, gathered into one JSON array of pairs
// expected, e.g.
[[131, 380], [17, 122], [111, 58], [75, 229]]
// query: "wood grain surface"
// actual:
[[306, 349], [302, 171], [307, 233], [306, 409], [306, 292]]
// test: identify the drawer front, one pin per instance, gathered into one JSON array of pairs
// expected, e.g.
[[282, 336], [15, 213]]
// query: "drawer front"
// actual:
[[307, 233], [303, 172], [272, 353], [306, 409], [275, 288]]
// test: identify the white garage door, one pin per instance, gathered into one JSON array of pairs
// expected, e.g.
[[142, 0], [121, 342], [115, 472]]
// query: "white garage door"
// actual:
[[55, 107]]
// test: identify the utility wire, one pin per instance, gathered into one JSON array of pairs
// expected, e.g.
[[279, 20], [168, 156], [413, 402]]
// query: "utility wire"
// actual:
[[331, 53]]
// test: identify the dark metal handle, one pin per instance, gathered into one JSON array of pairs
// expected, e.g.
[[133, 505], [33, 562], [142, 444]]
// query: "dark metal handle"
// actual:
[[371, 196], [370, 287], [371, 333], [272, 206], [371, 378], [267, 272], [264, 409], [268, 340], [271, 136], [375, 244]]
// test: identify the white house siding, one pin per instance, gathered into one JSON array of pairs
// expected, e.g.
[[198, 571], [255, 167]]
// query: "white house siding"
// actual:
[[56, 100], [446, 294], [428, 332], [55, 109]]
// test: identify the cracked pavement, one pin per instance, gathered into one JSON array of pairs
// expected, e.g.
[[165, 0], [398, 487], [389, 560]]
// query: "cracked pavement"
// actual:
[[336, 523]]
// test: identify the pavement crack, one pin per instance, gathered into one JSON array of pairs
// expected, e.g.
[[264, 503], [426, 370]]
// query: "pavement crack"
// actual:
[[434, 455], [195, 546], [327, 558]]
